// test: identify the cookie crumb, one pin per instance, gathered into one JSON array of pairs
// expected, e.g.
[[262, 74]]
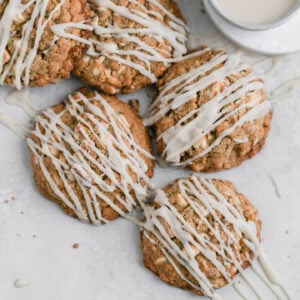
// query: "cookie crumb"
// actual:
[[20, 283], [75, 246], [13, 198], [5, 201]]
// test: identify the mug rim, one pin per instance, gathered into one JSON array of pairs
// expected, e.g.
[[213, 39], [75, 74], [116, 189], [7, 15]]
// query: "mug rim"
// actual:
[[257, 27]]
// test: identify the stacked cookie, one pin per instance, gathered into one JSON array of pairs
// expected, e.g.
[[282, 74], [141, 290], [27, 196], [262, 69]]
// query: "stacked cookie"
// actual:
[[92, 154]]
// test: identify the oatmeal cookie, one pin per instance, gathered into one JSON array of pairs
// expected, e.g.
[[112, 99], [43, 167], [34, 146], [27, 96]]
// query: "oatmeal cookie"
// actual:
[[132, 44], [198, 234], [91, 155], [211, 112], [30, 53]]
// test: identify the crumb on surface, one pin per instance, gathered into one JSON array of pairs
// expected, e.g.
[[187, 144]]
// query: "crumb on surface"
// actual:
[[75, 246]]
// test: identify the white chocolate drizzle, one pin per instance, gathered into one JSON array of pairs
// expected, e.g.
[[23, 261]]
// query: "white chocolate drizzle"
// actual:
[[61, 30], [198, 123], [20, 129], [20, 283], [285, 90], [165, 219], [122, 155], [21, 99], [266, 66], [151, 24], [24, 54], [19, 62]]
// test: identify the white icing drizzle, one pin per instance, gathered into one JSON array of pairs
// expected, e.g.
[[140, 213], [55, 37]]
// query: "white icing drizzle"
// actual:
[[241, 140], [20, 283], [239, 291], [20, 61], [161, 162], [14, 125], [60, 30], [199, 122], [21, 99], [24, 54], [285, 90], [77, 165], [266, 66], [151, 24], [209, 201]]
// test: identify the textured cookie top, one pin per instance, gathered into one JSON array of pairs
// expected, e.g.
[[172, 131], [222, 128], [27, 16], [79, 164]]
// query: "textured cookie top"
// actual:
[[92, 156], [30, 53], [132, 44], [210, 113], [200, 234]]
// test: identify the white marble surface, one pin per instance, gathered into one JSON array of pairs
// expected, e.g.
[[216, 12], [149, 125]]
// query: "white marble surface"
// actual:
[[36, 237]]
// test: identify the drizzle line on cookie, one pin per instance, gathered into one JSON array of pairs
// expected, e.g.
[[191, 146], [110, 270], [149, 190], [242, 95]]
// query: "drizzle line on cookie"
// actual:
[[193, 243], [198, 123], [54, 135]]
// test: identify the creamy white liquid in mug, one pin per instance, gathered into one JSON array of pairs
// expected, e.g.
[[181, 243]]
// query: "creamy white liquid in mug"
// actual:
[[255, 12]]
